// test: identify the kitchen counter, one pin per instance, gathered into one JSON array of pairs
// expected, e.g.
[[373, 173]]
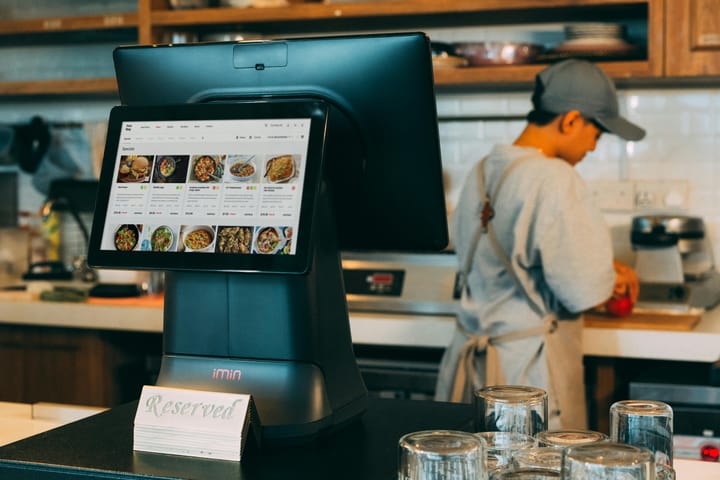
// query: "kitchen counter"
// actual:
[[701, 344]]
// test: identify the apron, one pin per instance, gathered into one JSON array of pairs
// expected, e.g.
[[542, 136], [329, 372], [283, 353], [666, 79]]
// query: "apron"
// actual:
[[562, 340]]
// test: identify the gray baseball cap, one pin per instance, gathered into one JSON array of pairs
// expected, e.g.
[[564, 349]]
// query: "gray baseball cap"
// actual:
[[579, 85]]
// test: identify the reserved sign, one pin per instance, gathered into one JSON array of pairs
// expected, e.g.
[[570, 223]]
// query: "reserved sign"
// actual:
[[192, 423]]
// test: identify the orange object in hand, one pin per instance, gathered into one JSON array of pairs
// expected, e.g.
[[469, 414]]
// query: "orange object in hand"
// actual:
[[625, 292]]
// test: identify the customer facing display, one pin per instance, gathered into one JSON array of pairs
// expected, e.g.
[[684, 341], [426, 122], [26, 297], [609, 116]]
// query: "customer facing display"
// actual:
[[229, 181]]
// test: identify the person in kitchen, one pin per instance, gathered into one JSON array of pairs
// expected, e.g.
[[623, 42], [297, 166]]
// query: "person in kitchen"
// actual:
[[534, 250]]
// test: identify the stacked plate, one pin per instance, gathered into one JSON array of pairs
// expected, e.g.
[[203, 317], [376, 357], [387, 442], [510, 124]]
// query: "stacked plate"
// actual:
[[595, 38], [594, 30]]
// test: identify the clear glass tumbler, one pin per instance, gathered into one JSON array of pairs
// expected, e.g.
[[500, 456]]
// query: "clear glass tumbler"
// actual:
[[607, 461], [569, 438], [549, 458], [511, 408], [500, 447], [441, 455], [644, 423]]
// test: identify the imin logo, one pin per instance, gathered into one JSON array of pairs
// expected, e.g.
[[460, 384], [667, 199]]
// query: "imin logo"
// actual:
[[226, 374]]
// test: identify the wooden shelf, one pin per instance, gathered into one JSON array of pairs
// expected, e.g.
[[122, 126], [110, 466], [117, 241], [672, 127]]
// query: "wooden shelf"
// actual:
[[299, 12], [444, 77], [153, 18], [60, 87], [526, 73], [69, 24]]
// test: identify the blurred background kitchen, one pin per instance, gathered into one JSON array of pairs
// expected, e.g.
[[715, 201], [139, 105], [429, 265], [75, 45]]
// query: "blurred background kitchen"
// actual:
[[57, 87], [673, 170]]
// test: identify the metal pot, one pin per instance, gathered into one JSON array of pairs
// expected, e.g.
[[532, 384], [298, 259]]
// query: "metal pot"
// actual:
[[499, 53]]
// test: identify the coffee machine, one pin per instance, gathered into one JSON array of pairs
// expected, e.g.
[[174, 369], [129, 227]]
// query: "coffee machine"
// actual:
[[674, 262]]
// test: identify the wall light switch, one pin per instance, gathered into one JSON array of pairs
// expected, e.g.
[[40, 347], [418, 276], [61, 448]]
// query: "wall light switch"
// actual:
[[661, 194]]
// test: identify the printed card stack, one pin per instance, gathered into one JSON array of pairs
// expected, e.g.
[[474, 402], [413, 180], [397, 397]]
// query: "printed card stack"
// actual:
[[192, 423]]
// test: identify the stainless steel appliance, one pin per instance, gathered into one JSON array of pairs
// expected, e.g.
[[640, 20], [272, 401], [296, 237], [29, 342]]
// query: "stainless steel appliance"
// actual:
[[401, 282], [410, 300], [674, 263], [696, 416]]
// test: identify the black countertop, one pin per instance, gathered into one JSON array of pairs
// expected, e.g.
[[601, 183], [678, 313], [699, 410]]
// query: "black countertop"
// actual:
[[101, 447]]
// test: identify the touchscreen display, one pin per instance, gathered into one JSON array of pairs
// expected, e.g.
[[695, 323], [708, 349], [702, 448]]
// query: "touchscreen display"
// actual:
[[198, 186]]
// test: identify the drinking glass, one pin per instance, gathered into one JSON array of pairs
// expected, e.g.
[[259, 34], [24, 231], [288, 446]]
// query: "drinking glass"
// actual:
[[441, 455], [645, 423], [569, 438], [548, 458], [511, 408], [528, 474], [500, 447], [607, 461]]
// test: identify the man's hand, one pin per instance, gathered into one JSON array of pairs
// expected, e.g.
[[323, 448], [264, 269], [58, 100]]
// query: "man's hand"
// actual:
[[625, 292], [626, 282]]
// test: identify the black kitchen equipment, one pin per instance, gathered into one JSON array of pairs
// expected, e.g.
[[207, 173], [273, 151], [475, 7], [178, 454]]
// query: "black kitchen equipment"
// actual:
[[674, 262], [31, 142], [49, 270], [8, 199], [73, 197]]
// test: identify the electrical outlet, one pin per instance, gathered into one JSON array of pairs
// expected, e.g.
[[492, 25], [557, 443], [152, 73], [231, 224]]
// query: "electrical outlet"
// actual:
[[661, 194], [613, 195]]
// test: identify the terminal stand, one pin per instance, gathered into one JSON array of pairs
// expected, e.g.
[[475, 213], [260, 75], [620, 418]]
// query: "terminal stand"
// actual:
[[283, 338]]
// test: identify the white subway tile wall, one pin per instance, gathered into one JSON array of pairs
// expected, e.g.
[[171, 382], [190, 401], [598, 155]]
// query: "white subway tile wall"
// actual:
[[682, 144]]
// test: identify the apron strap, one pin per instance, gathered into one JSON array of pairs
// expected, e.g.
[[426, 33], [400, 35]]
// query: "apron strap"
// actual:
[[477, 344], [486, 213]]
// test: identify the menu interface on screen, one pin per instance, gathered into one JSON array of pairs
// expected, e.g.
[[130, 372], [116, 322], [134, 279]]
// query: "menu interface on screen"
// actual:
[[199, 186]]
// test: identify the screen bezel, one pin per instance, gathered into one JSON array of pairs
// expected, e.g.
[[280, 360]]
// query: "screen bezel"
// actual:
[[298, 263]]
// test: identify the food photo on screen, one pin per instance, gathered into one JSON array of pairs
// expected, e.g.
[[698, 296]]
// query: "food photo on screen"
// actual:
[[231, 239], [126, 237], [135, 168], [288, 233], [269, 240], [171, 168], [241, 168], [281, 168], [197, 238], [206, 168], [162, 238]]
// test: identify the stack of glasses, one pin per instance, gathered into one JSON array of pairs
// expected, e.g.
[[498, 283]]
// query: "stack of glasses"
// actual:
[[513, 442]]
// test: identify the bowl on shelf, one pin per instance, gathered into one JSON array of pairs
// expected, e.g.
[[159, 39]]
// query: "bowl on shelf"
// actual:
[[189, 3], [499, 53], [235, 3]]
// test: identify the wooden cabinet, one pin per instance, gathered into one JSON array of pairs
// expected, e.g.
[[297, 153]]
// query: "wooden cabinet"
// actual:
[[83, 367], [50, 32], [154, 18], [692, 32]]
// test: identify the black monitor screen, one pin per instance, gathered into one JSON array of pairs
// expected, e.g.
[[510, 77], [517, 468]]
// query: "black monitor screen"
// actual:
[[226, 187], [382, 153]]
